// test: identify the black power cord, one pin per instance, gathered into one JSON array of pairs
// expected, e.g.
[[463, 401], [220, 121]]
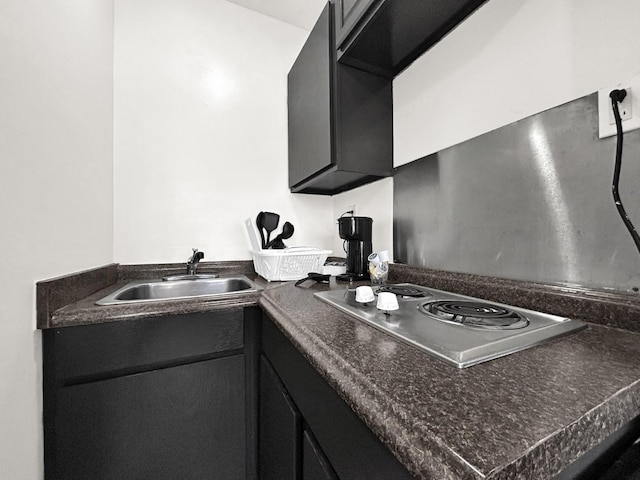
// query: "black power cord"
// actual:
[[618, 96]]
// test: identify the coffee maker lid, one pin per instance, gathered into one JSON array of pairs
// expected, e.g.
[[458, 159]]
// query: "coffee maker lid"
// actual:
[[355, 228], [353, 218]]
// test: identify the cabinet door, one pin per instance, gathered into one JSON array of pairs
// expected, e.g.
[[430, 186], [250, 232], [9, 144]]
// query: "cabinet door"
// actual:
[[315, 465], [185, 422], [386, 36], [348, 13], [280, 427], [309, 101], [353, 451]]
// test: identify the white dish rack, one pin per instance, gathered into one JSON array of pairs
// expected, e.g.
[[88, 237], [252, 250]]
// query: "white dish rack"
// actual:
[[292, 263]]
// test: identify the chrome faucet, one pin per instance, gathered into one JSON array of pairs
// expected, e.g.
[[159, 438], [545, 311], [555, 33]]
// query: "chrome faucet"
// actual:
[[192, 263]]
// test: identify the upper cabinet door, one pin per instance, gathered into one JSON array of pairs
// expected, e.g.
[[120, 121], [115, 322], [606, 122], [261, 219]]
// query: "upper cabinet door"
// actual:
[[310, 92], [385, 36], [340, 119], [348, 14]]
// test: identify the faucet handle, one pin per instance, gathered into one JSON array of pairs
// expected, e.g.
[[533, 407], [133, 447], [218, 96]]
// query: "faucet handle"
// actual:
[[197, 256], [192, 263]]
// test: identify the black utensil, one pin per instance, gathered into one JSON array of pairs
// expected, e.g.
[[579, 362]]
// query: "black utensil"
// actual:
[[316, 277], [260, 225], [287, 232], [270, 223]]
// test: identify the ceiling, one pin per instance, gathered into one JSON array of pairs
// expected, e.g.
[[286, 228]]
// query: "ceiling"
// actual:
[[301, 13]]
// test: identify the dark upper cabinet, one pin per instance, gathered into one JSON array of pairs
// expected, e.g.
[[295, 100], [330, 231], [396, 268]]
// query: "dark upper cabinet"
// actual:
[[340, 119], [385, 36], [348, 14]]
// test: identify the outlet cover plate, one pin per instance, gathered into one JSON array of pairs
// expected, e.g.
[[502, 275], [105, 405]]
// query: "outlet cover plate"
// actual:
[[630, 105]]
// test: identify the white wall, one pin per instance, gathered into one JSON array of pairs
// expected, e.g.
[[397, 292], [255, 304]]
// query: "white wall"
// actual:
[[200, 135], [56, 188], [374, 200], [507, 61]]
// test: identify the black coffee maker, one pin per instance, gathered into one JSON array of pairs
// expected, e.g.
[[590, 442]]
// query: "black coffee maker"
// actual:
[[356, 233]]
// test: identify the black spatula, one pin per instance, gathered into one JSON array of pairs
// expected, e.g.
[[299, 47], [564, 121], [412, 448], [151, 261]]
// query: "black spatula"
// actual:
[[269, 223], [260, 225]]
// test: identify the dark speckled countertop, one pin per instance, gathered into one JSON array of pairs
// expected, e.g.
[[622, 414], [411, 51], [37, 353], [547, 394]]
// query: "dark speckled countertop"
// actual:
[[528, 415], [70, 300], [525, 416]]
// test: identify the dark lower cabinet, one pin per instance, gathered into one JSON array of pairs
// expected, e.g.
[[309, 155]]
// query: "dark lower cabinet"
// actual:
[[157, 399], [288, 449], [197, 397], [315, 465], [280, 427], [332, 442], [185, 422]]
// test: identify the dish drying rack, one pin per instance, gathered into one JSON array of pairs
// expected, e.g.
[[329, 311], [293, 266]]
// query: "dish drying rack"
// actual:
[[292, 263]]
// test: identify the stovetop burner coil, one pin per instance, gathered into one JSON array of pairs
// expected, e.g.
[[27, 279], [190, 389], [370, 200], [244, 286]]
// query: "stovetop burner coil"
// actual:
[[403, 290], [475, 314]]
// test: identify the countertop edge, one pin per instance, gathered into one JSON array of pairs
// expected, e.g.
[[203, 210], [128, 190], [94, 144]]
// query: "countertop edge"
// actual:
[[60, 318], [366, 400], [614, 309], [69, 300], [542, 459], [422, 451]]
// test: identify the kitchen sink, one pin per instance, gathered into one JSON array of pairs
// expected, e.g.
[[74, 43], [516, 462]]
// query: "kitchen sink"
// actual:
[[161, 290]]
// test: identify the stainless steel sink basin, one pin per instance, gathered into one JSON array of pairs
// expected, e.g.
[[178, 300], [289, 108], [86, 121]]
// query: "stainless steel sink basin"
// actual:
[[159, 290]]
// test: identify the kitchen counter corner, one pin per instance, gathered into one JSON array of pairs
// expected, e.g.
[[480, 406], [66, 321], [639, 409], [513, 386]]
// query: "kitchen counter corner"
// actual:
[[528, 415], [70, 300]]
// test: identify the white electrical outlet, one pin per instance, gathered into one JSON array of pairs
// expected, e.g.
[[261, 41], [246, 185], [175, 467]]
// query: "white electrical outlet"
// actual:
[[625, 108], [352, 208], [629, 108]]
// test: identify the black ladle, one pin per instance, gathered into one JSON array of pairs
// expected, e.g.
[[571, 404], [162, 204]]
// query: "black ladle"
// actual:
[[287, 232]]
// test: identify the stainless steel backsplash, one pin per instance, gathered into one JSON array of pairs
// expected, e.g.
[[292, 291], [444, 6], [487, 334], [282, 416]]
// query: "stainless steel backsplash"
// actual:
[[529, 201]]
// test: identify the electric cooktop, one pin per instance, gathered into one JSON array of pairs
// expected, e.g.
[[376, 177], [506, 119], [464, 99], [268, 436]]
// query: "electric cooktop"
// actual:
[[460, 330]]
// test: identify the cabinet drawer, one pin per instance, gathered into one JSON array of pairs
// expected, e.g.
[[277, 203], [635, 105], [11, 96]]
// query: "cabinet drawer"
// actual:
[[94, 350]]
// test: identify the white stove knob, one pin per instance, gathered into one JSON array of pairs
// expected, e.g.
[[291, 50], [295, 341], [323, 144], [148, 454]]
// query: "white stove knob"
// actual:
[[364, 294], [387, 301]]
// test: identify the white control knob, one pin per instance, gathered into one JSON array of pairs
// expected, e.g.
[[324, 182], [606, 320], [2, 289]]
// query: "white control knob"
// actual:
[[387, 301], [364, 294]]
